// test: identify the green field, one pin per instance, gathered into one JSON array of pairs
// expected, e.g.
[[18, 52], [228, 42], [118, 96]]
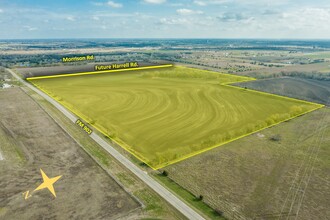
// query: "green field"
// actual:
[[167, 115]]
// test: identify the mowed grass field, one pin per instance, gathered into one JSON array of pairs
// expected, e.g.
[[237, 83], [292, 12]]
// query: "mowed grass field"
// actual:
[[164, 116]]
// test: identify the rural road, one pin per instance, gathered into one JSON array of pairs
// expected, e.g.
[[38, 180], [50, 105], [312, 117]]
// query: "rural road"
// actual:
[[162, 191]]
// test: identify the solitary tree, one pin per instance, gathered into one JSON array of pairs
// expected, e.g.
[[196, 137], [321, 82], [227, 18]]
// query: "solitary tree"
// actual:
[[200, 198], [165, 173]]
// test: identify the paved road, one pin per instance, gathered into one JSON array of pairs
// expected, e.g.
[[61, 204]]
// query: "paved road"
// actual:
[[162, 191]]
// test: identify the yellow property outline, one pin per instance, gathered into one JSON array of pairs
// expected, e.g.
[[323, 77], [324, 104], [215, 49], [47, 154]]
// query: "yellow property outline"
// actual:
[[126, 147], [97, 72]]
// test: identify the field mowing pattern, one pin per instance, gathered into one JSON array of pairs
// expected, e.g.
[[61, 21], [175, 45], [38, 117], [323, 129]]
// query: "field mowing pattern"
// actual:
[[167, 115]]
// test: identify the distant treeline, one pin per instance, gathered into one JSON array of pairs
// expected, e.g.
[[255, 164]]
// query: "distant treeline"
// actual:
[[34, 60], [167, 43]]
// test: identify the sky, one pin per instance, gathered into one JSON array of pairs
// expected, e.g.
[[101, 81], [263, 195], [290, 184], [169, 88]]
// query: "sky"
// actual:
[[276, 19]]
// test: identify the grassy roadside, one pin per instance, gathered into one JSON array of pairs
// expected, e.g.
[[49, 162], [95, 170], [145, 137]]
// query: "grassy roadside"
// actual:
[[205, 210], [187, 196]]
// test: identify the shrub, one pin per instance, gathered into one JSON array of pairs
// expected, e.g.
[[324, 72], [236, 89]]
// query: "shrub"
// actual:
[[219, 212], [276, 138], [165, 173], [199, 198]]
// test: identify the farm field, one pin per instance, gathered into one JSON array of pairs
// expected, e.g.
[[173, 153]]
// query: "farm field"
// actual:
[[300, 88], [165, 116], [278, 173], [31, 140], [314, 70]]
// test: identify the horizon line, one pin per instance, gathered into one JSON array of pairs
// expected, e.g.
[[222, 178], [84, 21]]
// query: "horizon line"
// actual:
[[168, 38]]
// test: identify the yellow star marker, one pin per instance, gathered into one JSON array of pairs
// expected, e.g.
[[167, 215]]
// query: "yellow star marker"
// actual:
[[48, 182]]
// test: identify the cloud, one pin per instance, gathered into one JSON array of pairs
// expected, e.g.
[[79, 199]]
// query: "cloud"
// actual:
[[176, 4], [102, 14], [210, 2], [97, 3], [155, 1], [317, 18], [270, 12], [109, 3], [1, 10], [173, 21], [232, 17], [114, 4], [200, 3], [309, 13], [243, 2], [221, 18], [29, 28], [185, 11], [70, 18]]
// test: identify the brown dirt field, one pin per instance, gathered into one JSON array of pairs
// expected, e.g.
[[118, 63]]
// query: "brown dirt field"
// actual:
[[307, 68], [31, 140], [256, 178]]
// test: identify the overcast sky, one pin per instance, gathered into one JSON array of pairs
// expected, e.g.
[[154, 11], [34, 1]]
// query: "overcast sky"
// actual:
[[165, 19]]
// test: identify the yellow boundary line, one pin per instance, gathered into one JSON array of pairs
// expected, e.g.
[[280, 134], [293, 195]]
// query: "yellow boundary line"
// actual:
[[272, 95], [97, 72], [226, 142], [126, 147], [247, 78]]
